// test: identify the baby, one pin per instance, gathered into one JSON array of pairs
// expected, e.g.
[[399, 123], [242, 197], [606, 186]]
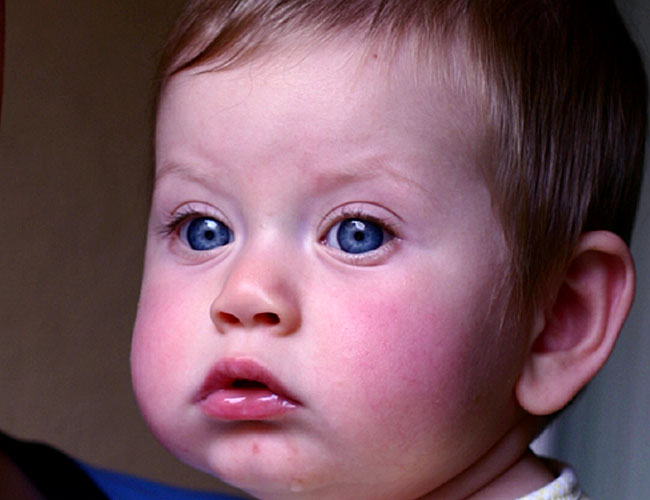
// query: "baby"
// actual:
[[388, 240]]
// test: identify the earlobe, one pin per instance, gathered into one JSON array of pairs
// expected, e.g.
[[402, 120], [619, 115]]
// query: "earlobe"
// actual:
[[580, 329]]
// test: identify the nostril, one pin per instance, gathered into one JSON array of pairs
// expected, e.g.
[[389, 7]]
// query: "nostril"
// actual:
[[231, 319], [267, 318]]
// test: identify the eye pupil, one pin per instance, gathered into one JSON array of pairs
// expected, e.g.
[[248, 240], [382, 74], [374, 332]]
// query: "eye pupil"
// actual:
[[359, 236], [207, 233]]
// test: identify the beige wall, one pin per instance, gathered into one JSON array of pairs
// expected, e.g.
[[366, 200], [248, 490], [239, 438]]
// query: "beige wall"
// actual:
[[74, 158]]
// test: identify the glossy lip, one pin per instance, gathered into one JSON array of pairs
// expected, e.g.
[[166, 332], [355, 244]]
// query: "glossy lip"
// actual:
[[238, 403]]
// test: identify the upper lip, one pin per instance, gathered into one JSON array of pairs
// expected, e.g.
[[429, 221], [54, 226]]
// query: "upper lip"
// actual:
[[230, 370]]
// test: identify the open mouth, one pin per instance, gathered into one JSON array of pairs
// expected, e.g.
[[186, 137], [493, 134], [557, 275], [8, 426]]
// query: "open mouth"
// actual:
[[241, 389], [243, 383]]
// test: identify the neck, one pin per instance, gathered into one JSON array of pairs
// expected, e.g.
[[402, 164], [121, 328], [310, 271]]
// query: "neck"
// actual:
[[507, 471]]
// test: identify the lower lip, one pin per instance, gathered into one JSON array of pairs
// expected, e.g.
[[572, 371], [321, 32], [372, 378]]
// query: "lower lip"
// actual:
[[245, 404]]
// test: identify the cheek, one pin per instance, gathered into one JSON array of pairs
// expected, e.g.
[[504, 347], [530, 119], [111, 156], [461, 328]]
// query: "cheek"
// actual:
[[417, 358], [165, 351], [408, 346]]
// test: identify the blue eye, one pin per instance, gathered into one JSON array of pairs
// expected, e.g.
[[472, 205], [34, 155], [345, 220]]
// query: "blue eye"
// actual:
[[205, 233], [356, 236]]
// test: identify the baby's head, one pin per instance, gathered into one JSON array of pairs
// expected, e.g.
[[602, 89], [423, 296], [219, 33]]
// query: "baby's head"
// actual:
[[386, 238]]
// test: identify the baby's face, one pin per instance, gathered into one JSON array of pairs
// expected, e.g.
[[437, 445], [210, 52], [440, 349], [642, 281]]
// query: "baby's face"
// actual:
[[319, 308]]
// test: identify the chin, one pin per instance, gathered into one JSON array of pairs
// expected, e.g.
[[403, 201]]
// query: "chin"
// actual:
[[272, 482], [277, 476], [267, 467]]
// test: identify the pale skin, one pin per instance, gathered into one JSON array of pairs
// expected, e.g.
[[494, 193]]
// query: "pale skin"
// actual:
[[401, 382]]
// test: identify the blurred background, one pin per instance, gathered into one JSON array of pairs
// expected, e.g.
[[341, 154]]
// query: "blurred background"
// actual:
[[74, 160]]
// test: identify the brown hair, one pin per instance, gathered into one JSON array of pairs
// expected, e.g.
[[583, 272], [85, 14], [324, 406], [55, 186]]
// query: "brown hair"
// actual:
[[564, 91]]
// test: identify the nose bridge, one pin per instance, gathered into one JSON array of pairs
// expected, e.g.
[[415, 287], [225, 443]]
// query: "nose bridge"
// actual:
[[259, 291]]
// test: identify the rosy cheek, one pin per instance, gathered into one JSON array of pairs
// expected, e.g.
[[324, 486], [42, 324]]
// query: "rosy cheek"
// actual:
[[162, 343], [402, 346]]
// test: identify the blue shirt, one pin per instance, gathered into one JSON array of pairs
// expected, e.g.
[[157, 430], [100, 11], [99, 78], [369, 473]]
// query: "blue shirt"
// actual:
[[117, 486]]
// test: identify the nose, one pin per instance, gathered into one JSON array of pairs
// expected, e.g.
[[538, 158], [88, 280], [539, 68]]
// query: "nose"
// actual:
[[258, 293]]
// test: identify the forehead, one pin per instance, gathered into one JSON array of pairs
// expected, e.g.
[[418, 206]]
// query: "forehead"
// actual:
[[341, 93]]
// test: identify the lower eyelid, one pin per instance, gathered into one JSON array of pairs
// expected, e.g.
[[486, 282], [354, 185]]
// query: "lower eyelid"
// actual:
[[372, 258], [376, 257], [185, 255]]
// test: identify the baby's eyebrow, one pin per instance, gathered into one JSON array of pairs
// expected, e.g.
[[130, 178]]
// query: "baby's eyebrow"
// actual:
[[182, 172], [174, 169], [324, 181], [368, 171]]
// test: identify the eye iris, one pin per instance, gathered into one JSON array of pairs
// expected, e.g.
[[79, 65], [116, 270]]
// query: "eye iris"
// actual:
[[206, 233], [357, 236]]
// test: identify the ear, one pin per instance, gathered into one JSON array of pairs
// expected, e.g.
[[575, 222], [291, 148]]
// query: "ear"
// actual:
[[576, 336]]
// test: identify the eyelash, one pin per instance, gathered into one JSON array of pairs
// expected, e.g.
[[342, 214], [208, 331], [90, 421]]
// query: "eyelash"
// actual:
[[177, 219], [354, 213]]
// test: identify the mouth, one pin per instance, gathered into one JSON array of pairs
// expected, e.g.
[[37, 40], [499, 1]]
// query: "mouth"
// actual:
[[241, 389]]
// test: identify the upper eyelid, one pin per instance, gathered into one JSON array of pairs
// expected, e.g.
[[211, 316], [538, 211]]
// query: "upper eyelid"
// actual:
[[366, 208], [377, 214], [388, 220], [174, 219]]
